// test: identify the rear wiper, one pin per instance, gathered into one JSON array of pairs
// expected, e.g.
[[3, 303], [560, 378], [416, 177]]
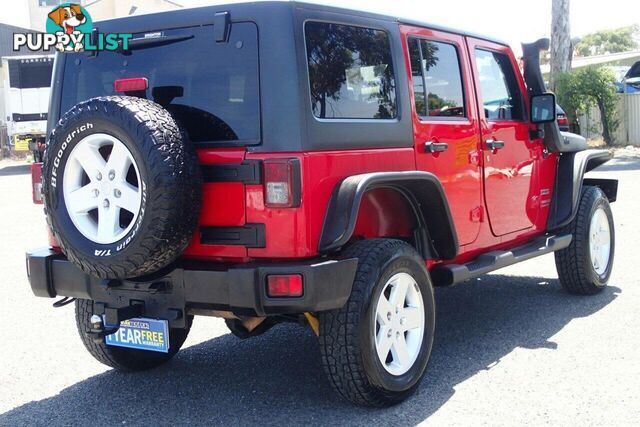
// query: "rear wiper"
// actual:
[[147, 42]]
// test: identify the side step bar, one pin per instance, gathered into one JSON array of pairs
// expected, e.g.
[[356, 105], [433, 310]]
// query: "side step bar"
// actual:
[[451, 274]]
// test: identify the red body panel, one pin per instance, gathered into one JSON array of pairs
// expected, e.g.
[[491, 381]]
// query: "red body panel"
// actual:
[[458, 167], [507, 172], [384, 213], [498, 199], [295, 232], [223, 204], [36, 183]]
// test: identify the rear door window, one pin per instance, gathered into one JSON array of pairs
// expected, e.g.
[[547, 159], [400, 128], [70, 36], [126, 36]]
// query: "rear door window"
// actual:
[[351, 73], [210, 88]]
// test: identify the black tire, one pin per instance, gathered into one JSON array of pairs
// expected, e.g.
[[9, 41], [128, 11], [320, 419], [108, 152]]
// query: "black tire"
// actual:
[[347, 345], [575, 269], [170, 186], [124, 358]]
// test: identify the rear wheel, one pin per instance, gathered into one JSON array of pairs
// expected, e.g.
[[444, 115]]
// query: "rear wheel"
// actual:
[[124, 358], [584, 267], [375, 349]]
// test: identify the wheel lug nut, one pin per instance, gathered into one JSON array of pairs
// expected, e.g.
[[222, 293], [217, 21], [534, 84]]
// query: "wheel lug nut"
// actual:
[[389, 316], [117, 193], [96, 193], [99, 176], [389, 333], [398, 335], [105, 203], [112, 175], [403, 320]]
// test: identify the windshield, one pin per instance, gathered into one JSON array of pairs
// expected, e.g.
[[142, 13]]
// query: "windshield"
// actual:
[[210, 88]]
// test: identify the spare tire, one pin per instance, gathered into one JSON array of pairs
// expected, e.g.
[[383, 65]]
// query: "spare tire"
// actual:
[[122, 187]]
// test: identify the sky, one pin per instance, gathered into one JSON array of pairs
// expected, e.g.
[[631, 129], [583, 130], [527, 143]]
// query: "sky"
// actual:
[[513, 21]]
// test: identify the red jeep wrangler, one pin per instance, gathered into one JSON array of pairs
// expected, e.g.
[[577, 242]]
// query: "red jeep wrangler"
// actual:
[[273, 162]]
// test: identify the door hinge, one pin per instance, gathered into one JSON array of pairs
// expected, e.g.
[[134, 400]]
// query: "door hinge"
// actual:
[[476, 214]]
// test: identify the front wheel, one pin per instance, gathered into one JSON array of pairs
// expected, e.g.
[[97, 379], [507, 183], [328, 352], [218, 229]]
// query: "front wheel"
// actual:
[[584, 267], [375, 349]]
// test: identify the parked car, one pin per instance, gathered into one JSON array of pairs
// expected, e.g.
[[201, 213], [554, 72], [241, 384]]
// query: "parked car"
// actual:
[[563, 120], [299, 171], [631, 81]]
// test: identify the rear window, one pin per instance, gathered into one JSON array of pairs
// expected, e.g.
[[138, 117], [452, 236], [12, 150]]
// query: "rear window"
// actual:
[[210, 88], [350, 72]]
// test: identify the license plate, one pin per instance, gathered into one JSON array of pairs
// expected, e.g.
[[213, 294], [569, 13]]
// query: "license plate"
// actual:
[[141, 334]]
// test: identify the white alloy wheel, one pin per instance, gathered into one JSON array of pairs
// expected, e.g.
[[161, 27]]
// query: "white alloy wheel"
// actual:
[[102, 188], [399, 326], [599, 241]]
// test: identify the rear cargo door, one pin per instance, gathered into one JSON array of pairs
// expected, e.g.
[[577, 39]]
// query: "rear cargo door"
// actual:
[[211, 88]]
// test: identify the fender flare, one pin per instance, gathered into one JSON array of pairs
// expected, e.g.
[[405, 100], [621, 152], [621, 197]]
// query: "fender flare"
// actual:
[[423, 191], [569, 181]]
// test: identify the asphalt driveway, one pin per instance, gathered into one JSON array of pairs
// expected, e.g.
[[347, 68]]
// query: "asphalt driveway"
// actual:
[[510, 348]]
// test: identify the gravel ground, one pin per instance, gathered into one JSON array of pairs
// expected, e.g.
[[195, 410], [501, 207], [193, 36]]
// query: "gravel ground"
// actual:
[[511, 348]]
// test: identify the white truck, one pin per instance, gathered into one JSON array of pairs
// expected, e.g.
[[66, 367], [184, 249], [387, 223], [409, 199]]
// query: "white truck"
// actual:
[[27, 81]]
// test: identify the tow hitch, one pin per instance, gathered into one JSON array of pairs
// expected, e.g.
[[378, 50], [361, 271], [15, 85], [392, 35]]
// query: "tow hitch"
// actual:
[[106, 321]]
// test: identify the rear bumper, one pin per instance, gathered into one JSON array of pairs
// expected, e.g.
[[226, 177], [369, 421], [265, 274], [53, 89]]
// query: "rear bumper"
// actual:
[[240, 288]]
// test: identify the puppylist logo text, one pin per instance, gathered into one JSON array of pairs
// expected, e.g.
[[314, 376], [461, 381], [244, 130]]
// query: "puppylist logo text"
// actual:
[[69, 28]]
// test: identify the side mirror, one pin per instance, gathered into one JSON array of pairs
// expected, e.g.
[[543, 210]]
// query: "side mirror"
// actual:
[[543, 108]]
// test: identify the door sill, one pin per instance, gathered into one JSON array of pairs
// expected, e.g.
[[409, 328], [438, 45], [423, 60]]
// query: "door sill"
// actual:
[[451, 274]]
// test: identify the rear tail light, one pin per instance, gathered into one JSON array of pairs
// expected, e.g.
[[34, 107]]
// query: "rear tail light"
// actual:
[[282, 183], [36, 183], [284, 285], [135, 84], [562, 120]]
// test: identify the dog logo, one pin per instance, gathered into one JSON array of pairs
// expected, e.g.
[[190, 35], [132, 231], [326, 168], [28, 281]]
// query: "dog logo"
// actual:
[[74, 21], [70, 29], [68, 18]]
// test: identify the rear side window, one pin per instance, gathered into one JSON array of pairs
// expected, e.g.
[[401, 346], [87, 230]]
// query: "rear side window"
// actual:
[[437, 81], [210, 88], [501, 96], [351, 73]]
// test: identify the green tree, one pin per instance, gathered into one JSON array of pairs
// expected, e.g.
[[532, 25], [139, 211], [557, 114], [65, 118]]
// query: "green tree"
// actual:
[[608, 41], [583, 88]]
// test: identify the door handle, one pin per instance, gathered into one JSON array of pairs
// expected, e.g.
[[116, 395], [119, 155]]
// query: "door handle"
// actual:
[[435, 147], [494, 144]]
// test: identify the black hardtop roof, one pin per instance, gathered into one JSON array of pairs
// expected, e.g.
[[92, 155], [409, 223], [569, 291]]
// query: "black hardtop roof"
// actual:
[[201, 15]]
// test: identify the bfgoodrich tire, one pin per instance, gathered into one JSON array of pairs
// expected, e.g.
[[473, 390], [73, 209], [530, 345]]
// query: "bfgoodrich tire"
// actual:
[[584, 267], [375, 349], [121, 187], [121, 358]]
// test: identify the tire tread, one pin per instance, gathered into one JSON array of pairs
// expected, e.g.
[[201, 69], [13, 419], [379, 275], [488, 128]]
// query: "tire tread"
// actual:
[[339, 342]]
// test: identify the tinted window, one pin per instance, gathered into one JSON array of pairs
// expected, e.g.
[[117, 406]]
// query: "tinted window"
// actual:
[[210, 88], [499, 89], [436, 77], [350, 72]]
